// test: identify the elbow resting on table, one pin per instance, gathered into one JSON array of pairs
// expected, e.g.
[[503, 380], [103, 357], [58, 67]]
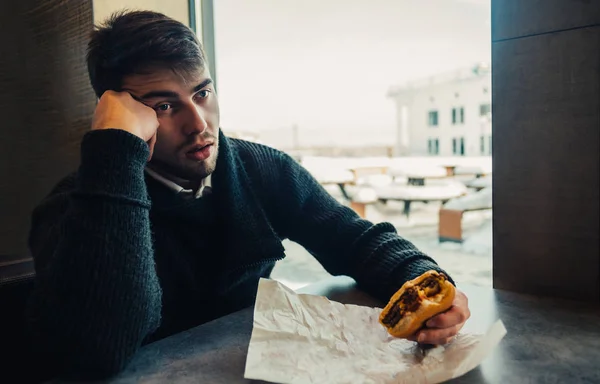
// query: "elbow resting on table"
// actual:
[[87, 366], [82, 355], [101, 368]]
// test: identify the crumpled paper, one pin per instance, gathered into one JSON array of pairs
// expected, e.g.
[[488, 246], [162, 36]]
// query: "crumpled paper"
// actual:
[[299, 338]]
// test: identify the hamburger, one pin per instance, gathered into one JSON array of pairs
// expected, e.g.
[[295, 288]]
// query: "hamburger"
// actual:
[[415, 302]]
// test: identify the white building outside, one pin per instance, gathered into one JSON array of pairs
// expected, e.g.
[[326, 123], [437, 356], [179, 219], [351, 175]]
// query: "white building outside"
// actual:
[[445, 115]]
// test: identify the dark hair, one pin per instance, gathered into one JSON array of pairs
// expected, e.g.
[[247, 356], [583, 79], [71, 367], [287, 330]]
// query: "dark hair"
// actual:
[[132, 42]]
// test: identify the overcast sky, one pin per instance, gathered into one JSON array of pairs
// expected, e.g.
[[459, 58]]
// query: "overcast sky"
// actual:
[[326, 65]]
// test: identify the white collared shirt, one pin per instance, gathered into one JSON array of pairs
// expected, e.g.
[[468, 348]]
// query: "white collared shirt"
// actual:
[[206, 183]]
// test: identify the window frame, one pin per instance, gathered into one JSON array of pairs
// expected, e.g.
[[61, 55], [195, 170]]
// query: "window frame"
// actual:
[[433, 113], [202, 22]]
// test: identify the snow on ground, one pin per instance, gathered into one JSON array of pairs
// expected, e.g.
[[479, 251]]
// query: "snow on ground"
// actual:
[[467, 263], [408, 164], [415, 161]]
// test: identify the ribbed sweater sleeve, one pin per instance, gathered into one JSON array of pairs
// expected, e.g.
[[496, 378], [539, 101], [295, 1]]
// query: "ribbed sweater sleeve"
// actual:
[[96, 293], [345, 244]]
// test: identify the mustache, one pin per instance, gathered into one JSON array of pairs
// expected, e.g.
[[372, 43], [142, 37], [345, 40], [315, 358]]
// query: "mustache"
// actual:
[[196, 139]]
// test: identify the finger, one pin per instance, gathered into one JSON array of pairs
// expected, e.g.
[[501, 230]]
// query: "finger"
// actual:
[[453, 316], [139, 100], [134, 97], [458, 313], [438, 336], [413, 337], [151, 144]]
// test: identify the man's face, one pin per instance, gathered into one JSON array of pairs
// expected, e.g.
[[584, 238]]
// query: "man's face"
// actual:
[[188, 113]]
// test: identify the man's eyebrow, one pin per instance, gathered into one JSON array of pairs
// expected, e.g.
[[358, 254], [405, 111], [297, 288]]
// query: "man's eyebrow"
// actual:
[[203, 84], [174, 95], [163, 94]]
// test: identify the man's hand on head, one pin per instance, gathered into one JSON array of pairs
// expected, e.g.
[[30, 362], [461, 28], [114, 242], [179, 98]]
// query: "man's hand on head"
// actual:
[[442, 328], [119, 110]]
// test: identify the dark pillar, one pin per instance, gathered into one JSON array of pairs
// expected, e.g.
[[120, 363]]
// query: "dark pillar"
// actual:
[[546, 111], [46, 104]]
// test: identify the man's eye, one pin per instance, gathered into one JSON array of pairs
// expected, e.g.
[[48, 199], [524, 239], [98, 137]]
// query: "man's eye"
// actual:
[[164, 107], [203, 94]]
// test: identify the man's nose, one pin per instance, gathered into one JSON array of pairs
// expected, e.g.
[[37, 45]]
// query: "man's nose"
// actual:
[[195, 121]]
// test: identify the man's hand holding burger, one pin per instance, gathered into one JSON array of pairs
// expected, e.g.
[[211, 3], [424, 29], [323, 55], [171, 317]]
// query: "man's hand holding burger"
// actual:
[[442, 328], [427, 309]]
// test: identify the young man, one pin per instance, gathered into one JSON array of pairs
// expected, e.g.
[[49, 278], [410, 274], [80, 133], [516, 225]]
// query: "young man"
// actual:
[[169, 224]]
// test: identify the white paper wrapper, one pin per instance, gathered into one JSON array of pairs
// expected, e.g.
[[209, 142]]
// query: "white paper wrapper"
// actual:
[[310, 339]]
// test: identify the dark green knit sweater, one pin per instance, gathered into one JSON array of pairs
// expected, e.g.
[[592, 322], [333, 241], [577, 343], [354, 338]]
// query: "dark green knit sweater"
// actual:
[[122, 260]]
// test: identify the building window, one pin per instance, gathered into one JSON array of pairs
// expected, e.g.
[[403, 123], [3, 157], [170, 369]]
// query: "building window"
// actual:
[[433, 146], [432, 118], [485, 109], [458, 115], [458, 146], [489, 144], [482, 144]]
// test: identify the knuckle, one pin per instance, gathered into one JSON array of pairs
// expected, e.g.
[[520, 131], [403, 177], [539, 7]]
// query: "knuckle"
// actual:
[[434, 336], [446, 336], [462, 314]]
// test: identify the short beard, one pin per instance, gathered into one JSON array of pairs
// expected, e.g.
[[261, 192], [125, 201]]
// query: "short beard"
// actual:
[[190, 174]]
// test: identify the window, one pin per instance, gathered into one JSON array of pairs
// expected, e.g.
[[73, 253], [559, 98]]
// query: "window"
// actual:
[[433, 146], [482, 144], [433, 118], [458, 115], [458, 146], [485, 110], [407, 104]]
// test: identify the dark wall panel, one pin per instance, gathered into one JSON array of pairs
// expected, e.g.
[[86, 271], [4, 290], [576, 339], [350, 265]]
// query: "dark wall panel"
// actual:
[[46, 104], [518, 18], [546, 109]]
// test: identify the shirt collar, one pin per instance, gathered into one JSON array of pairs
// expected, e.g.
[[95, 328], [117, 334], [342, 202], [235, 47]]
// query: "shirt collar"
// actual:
[[206, 183]]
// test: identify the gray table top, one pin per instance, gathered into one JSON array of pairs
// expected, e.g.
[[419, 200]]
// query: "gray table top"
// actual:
[[548, 341]]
